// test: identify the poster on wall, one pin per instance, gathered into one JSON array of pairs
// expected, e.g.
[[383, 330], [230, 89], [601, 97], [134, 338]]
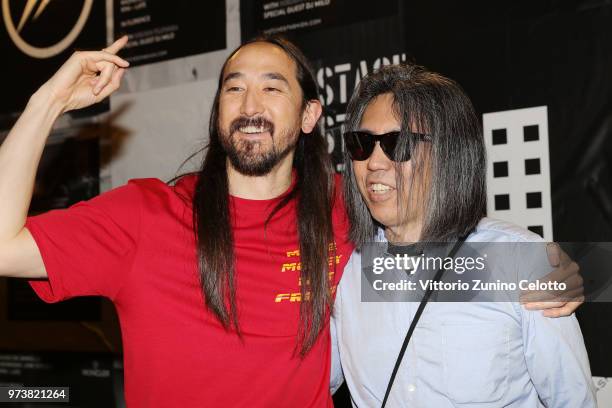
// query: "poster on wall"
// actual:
[[161, 30], [36, 37], [289, 16], [344, 40]]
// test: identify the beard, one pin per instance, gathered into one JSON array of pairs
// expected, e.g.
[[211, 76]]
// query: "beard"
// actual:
[[251, 157]]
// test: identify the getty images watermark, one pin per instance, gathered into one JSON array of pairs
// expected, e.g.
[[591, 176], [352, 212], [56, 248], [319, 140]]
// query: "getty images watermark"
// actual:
[[459, 265], [479, 271]]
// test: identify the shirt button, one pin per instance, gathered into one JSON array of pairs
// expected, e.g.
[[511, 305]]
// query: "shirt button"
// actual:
[[411, 387]]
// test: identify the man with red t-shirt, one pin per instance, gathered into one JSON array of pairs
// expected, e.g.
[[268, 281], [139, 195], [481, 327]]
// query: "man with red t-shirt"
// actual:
[[262, 209], [223, 282]]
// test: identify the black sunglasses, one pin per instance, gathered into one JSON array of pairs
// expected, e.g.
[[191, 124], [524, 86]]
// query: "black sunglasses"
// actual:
[[360, 144]]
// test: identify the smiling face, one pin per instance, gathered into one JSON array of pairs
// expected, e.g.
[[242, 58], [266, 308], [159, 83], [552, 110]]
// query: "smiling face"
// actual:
[[261, 108], [376, 176]]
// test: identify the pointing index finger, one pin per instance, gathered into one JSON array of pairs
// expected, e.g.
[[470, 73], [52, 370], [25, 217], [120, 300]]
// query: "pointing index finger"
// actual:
[[117, 45]]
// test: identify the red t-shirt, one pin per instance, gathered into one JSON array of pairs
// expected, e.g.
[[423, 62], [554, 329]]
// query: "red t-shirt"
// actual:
[[135, 245]]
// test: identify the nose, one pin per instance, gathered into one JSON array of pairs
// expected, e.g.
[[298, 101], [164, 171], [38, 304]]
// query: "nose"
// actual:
[[378, 160], [251, 104]]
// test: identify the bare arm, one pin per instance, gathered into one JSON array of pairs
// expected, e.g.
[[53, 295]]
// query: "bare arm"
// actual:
[[75, 85]]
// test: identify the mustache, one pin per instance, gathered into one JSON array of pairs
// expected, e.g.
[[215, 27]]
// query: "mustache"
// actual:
[[243, 121]]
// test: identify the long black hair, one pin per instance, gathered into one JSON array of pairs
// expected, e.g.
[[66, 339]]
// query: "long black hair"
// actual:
[[314, 194], [454, 198]]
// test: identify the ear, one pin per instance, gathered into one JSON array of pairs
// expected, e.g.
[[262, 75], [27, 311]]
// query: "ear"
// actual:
[[311, 115]]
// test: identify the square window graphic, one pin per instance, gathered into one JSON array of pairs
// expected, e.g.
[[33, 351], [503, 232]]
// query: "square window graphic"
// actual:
[[531, 133], [534, 200], [500, 136], [532, 166], [500, 169], [538, 229], [502, 202]]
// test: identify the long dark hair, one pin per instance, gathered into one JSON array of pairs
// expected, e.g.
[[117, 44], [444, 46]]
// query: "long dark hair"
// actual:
[[455, 197], [314, 194]]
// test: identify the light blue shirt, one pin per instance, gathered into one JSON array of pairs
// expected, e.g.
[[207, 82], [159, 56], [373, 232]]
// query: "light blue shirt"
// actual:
[[469, 354]]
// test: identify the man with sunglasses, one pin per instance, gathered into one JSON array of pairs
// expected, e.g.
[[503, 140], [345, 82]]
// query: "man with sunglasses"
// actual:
[[415, 179], [360, 144]]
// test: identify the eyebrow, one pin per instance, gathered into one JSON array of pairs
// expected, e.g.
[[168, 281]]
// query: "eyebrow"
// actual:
[[268, 75], [276, 76], [232, 75]]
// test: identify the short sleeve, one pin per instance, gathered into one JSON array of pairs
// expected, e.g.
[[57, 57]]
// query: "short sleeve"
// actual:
[[88, 249]]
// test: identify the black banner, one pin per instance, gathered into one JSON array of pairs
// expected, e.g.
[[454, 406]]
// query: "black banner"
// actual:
[[161, 30], [272, 17]]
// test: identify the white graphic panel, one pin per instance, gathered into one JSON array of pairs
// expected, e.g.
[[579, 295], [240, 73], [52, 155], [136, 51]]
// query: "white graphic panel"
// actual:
[[518, 171]]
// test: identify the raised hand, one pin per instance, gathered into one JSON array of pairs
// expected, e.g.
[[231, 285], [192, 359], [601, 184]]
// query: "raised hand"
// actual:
[[87, 77]]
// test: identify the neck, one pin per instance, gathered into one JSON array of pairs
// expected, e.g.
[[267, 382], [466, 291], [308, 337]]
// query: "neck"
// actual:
[[406, 233], [266, 187]]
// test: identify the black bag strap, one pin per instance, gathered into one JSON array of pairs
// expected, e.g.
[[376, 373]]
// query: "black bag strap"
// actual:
[[417, 316]]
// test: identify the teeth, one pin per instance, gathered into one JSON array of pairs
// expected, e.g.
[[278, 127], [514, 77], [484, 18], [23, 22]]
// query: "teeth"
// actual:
[[379, 187], [252, 129]]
